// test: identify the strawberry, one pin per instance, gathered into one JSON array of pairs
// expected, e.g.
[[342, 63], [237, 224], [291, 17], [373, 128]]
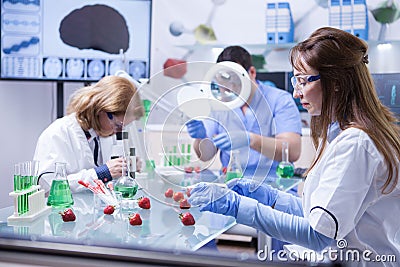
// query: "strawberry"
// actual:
[[109, 209], [197, 169], [68, 215], [178, 196], [134, 219], [169, 192], [184, 204], [188, 169], [187, 218], [144, 203]]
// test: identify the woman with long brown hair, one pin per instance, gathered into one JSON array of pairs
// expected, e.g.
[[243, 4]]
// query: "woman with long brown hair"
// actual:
[[351, 193]]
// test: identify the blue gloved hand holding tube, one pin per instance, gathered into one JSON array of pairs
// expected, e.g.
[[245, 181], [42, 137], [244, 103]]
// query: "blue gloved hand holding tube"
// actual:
[[263, 193], [214, 198], [232, 140], [196, 129]]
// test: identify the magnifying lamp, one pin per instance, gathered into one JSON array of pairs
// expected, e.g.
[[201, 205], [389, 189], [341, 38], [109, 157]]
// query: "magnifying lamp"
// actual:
[[230, 84], [225, 86]]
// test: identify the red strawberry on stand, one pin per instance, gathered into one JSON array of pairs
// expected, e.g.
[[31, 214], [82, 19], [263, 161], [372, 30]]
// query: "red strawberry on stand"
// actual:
[[144, 203], [184, 204], [169, 193], [134, 219], [187, 219], [68, 215], [109, 209]]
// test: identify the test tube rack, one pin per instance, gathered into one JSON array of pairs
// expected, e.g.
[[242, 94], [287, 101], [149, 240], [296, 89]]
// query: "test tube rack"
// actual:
[[36, 204], [175, 156]]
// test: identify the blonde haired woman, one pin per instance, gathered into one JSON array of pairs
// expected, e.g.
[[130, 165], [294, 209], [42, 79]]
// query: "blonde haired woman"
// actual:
[[98, 110]]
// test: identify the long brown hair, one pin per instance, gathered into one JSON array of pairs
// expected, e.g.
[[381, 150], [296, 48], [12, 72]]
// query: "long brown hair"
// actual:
[[111, 94], [348, 94]]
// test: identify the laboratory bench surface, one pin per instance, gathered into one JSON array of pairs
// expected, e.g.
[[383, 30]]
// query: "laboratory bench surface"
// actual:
[[161, 228]]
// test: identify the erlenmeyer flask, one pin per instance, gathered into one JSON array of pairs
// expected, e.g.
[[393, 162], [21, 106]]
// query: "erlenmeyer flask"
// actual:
[[285, 168], [126, 184], [60, 194]]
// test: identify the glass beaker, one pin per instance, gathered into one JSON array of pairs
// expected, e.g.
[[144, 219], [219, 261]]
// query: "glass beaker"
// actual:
[[60, 194], [285, 168], [234, 169]]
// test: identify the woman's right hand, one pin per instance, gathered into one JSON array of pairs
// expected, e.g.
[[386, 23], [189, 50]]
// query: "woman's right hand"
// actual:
[[115, 167]]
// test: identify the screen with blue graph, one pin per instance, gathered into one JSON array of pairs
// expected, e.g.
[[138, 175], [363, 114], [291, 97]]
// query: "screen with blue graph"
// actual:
[[79, 40], [388, 89]]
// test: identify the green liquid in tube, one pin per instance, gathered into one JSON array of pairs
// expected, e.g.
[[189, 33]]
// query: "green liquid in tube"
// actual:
[[17, 183]]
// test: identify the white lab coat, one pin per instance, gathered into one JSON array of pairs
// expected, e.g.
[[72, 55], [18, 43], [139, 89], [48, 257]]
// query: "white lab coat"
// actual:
[[342, 197], [65, 141]]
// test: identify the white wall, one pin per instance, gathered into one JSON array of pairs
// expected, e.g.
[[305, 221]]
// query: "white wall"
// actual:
[[242, 22], [27, 108]]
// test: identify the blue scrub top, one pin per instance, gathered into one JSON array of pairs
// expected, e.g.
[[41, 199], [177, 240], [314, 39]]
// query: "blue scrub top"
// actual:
[[272, 111]]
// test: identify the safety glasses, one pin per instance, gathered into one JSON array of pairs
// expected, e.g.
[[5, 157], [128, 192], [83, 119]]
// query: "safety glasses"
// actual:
[[300, 81], [118, 125]]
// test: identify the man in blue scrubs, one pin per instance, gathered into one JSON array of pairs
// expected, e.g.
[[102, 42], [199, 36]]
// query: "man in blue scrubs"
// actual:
[[257, 129]]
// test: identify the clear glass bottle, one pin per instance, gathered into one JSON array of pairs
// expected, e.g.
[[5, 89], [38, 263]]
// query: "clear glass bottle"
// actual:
[[60, 195], [234, 169], [285, 168], [126, 184]]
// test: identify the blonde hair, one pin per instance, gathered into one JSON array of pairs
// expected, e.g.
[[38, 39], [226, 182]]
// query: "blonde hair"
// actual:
[[111, 94], [348, 94]]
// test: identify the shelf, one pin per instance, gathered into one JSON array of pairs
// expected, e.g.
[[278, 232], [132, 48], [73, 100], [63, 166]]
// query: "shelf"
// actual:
[[265, 48], [271, 47], [382, 53]]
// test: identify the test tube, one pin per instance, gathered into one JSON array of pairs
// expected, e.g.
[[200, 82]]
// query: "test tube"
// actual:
[[188, 152], [34, 172], [18, 186], [25, 184], [182, 157], [17, 177], [175, 162]]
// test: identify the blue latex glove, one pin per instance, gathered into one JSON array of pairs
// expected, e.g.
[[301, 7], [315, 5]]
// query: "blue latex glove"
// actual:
[[214, 198], [263, 193], [196, 129], [283, 226], [232, 140]]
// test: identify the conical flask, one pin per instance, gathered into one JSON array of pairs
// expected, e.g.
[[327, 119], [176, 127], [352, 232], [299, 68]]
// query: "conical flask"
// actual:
[[60, 194], [126, 184], [285, 168]]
